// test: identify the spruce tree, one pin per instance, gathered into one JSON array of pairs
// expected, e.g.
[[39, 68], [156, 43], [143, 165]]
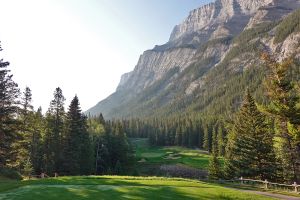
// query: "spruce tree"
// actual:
[[214, 168], [36, 147], [21, 147], [215, 145], [250, 150], [284, 96], [57, 112], [206, 138], [9, 94], [77, 151], [221, 140], [54, 136]]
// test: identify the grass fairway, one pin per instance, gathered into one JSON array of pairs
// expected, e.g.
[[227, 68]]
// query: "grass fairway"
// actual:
[[116, 187], [148, 156]]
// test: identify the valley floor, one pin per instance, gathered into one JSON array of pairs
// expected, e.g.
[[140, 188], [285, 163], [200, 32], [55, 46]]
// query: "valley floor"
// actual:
[[118, 187]]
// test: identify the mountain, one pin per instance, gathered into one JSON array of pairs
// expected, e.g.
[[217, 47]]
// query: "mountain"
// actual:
[[209, 60]]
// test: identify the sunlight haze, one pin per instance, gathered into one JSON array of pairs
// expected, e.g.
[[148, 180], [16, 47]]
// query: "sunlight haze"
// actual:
[[82, 46]]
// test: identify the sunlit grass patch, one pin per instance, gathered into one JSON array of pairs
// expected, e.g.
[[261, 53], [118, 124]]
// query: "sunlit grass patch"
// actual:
[[121, 187], [152, 155]]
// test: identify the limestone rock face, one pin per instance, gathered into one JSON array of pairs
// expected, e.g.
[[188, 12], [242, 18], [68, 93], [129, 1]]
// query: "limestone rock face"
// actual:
[[216, 20], [232, 13], [275, 10], [178, 68], [153, 65], [124, 79]]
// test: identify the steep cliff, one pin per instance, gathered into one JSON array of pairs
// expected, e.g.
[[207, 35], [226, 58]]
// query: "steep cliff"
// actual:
[[215, 44]]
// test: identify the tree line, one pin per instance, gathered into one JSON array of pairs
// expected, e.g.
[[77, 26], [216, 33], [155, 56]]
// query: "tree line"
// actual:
[[187, 131], [59, 141]]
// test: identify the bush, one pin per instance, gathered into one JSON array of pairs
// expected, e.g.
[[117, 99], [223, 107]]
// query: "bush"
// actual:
[[10, 173]]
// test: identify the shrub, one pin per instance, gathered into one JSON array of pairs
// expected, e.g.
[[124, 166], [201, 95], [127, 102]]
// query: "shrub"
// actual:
[[10, 173]]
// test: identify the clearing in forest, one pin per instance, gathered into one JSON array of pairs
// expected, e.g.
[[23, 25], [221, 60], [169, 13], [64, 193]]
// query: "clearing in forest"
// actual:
[[151, 158]]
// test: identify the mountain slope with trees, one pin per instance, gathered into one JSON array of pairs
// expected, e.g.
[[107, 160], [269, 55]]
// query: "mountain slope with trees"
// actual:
[[207, 64]]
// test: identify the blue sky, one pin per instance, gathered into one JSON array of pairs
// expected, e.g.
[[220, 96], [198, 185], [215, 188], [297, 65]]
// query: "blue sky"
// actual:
[[82, 46]]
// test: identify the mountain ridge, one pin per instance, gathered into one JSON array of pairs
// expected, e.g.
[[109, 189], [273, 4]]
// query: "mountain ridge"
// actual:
[[161, 76]]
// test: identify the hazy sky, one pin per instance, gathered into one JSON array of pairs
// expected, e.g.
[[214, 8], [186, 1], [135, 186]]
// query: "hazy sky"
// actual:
[[82, 46]]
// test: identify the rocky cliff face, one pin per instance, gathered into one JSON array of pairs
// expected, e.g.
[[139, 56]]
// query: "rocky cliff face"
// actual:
[[153, 65], [221, 13], [216, 20], [276, 9], [202, 42]]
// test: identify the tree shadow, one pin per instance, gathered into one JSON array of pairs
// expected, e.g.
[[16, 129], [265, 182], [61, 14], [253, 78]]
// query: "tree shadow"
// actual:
[[79, 188]]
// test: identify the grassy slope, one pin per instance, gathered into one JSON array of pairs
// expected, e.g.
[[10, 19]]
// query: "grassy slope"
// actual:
[[116, 187], [161, 155]]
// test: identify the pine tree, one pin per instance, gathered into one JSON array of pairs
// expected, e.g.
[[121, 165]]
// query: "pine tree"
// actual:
[[250, 147], [178, 136], [206, 138], [102, 159], [214, 169], [118, 168], [58, 116], [284, 97], [9, 94], [78, 151], [221, 140], [36, 147], [54, 136], [101, 119], [215, 145], [22, 145], [201, 136], [26, 104]]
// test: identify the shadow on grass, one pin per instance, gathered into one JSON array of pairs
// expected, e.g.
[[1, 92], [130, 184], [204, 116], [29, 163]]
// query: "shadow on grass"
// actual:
[[119, 181], [114, 188], [105, 193]]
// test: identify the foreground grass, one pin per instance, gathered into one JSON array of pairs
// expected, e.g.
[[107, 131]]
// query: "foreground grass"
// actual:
[[8, 184], [116, 187]]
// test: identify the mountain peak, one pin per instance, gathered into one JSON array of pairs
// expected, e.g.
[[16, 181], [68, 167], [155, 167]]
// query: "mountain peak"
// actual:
[[213, 14]]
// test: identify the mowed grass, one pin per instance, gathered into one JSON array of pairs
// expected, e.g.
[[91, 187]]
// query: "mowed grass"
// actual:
[[147, 154], [117, 187]]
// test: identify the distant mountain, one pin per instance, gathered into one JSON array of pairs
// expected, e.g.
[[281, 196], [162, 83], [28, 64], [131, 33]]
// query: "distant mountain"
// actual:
[[209, 60]]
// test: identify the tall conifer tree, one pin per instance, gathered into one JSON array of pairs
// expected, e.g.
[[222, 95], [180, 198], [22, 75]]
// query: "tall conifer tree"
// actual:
[[284, 97], [78, 151], [214, 168], [54, 138], [250, 147], [22, 144], [9, 94]]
